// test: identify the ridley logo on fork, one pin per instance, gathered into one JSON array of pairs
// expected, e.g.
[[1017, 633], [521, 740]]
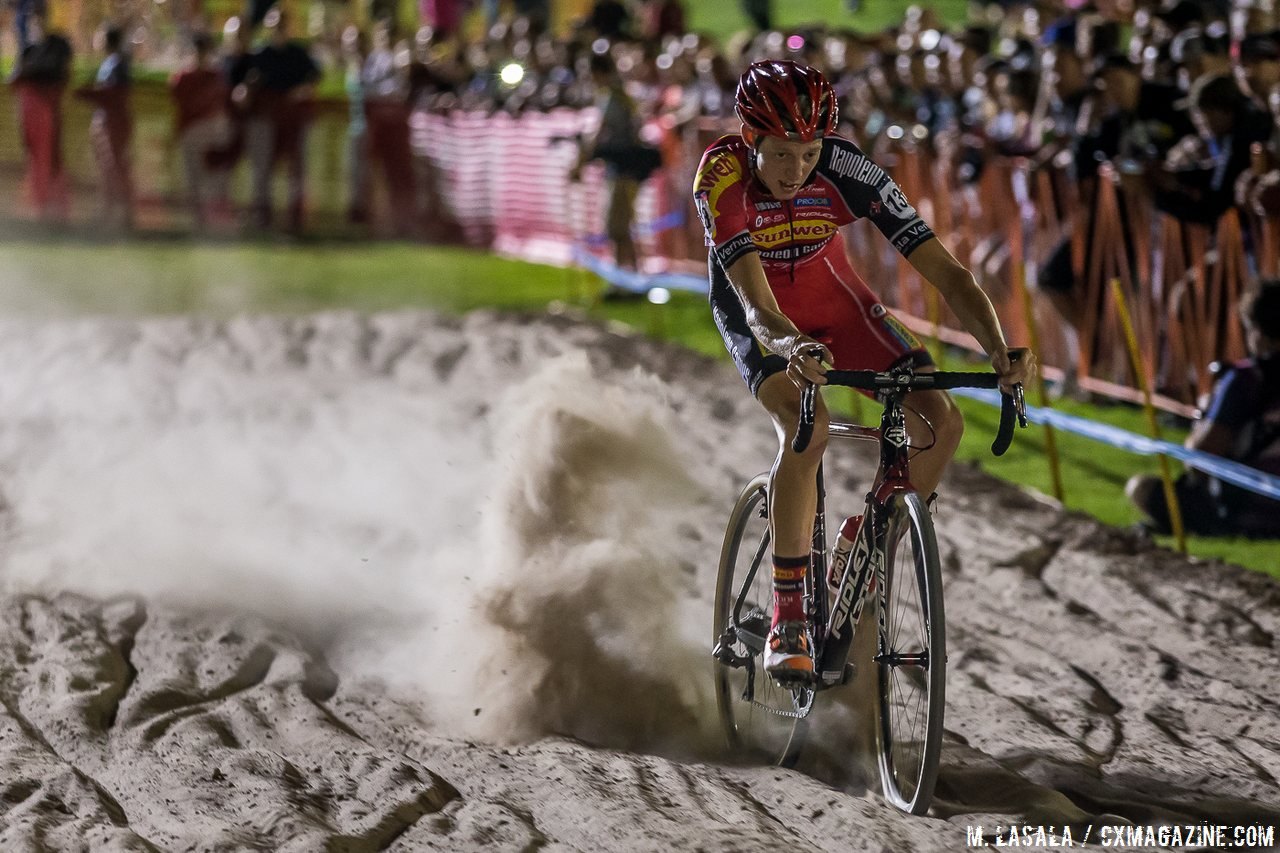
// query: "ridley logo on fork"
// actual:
[[866, 569]]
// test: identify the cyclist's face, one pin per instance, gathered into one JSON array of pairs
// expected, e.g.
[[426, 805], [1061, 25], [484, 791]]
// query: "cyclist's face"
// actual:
[[784, 166]]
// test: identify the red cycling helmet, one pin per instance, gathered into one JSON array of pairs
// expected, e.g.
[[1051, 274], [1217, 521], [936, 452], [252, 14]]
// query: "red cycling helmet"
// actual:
[[779, 97]]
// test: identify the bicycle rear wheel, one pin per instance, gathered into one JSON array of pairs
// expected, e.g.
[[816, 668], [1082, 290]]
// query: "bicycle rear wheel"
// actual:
[[911, 658], [761, 721]]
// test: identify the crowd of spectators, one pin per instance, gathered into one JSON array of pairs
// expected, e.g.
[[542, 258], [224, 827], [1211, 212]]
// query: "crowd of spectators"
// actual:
[[1181, 96], [1179, 99]]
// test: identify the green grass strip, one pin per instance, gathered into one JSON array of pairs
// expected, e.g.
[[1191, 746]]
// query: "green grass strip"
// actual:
[[78, 277]]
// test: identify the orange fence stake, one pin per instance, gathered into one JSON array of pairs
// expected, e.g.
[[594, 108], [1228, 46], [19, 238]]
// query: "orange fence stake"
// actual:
[[1033, 340], [1140, 370]]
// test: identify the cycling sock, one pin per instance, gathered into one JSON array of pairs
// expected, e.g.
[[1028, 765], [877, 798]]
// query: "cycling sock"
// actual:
[[788, 588]]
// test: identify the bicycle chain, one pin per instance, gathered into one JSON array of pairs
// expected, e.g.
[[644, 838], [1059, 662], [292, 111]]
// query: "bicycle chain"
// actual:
[[795, 715]]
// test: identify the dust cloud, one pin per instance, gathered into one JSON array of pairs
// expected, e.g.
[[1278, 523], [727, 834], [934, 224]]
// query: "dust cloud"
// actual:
[[500, 552]]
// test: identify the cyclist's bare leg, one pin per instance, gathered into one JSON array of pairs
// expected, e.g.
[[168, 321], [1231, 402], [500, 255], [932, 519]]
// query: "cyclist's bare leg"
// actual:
[[793, 500], [932, 418], [793, 490]]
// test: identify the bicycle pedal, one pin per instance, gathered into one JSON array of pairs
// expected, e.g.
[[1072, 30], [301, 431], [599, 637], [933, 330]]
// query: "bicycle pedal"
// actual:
[[791, 680]]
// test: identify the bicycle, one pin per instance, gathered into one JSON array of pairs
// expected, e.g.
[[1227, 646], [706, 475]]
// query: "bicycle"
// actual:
[[910, 655]]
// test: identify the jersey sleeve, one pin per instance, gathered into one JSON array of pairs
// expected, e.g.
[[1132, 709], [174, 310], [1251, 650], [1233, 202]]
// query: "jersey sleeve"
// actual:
[[870, 193], [719, 193]]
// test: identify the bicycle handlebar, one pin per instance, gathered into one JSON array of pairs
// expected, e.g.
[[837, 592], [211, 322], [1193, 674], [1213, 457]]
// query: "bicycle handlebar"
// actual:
[[1011, 405]]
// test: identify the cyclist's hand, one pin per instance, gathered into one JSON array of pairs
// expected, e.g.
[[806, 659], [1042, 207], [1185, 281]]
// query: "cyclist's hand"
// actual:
[[1013, 366], [803, 368]]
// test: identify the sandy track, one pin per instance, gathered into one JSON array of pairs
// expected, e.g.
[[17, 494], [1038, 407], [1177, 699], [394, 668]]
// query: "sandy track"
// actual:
[[419, 583]]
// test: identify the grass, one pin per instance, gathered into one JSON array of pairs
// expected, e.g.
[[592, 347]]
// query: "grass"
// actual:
[[77, 277], [724, 18]]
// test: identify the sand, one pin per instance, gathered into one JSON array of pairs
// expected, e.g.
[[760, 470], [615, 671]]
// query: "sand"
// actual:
[[413, 582]]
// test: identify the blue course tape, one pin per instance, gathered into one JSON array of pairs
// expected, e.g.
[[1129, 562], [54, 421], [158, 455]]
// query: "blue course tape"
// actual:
[[666, 222], [1224, 469], [639, 282]]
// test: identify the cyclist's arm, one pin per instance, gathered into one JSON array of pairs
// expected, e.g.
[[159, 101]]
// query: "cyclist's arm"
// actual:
[[970, 304], [773, 329]]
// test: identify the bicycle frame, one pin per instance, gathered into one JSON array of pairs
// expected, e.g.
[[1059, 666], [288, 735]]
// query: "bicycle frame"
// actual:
[[834, 626], [865, 570]]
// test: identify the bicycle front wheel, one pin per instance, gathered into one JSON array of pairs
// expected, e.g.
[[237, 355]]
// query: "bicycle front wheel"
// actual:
[[761, 720], [911, 658]]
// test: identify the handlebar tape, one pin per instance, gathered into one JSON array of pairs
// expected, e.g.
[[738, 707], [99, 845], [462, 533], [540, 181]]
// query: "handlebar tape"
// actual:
[[872, 381]]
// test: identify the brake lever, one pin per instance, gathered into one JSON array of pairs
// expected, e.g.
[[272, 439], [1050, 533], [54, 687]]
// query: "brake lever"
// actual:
[[1020, 404], [808, 405], [804, 430]]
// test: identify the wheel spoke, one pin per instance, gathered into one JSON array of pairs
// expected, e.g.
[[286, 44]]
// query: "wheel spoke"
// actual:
[[767, 725], [911, 660]]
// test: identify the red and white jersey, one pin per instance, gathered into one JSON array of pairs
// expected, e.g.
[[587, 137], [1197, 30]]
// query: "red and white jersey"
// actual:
[[740, 215]]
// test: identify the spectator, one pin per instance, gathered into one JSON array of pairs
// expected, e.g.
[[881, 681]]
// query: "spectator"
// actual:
[[609, 19], [24, 11], [1242, 423], [237, 63], [537, 12], [1259, 65], [257, 12], [1014, 130], [355, 50], [444, 16], [40, 79], [202, 129], [385, 82], [1200, 52], [282, 80], [111, 129], [1141, 119], [1065, 85], [759, 13], [661, 19], [1197, 183], [627, 160]]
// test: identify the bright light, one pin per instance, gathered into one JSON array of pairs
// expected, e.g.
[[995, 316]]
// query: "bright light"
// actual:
[[795, 42], [659, 295], [512, 73], [894, 132]]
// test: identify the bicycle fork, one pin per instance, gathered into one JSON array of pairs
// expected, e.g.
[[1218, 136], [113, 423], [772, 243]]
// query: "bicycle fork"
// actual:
[[865, 569]]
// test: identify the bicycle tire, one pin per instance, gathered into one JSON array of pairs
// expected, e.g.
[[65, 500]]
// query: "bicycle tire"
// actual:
[[911, 658], [752, 732]]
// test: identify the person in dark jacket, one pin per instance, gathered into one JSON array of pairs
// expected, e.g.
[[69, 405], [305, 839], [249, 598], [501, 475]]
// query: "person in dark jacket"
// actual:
[[1198, 180], [1241, 422], [280, 104]]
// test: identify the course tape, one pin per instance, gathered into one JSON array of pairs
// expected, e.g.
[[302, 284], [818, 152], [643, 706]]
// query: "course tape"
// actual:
[[1224, 469], [666, 222], [639, 282]]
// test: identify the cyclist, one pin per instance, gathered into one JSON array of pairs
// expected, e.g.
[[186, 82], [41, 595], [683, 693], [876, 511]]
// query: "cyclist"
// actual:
[[789, 304]]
